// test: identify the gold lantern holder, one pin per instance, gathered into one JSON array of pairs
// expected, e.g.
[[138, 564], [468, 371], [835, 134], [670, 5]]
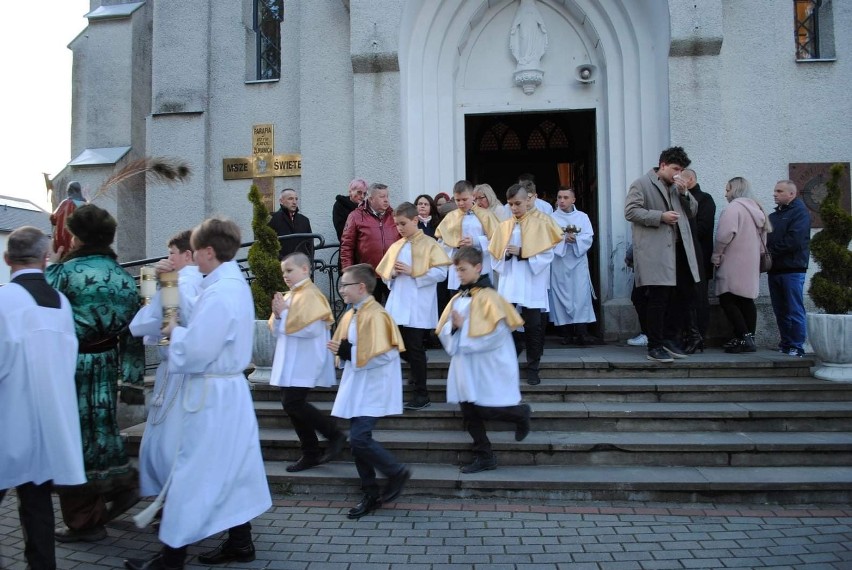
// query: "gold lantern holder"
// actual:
[[170, 298], [147, 283]]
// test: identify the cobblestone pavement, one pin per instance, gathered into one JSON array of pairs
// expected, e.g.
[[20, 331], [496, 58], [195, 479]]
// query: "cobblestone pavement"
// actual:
[[498, 533]]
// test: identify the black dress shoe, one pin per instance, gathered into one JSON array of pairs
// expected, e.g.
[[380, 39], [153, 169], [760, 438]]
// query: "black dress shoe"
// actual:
[[334, 449], [155, 563], [522, 430], [367, 505], [480, 464], [227, 552], [395, 485], [303, 463]]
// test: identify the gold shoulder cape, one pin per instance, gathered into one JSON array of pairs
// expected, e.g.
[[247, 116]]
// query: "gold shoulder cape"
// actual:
[[377, 333], [449, 230], [549, 219], [307, 305], [536, 236], [487, 308], [425, 254]]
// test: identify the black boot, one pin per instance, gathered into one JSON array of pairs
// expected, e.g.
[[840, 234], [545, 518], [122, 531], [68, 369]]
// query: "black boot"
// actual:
[[748, 343]]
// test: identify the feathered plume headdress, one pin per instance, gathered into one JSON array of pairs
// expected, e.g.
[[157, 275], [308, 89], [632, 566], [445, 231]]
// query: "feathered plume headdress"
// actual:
[[156, 170]]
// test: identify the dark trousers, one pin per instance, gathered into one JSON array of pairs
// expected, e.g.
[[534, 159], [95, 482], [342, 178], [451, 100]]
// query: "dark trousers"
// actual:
[[666, 305], [741, 312], [415, 356], [369, 454], [475, 416], [35, 510], [702, 307], [381, 292], [531, 338], [639, 298], [307, 420]]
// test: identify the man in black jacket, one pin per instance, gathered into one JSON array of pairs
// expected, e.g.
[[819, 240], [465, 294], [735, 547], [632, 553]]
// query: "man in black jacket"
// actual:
[[704, 221], [344, 205], [789, 244], [287, 220]]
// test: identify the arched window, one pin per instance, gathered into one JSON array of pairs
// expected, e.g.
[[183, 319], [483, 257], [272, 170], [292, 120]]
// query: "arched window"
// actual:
[[268, 15], [500, 137]]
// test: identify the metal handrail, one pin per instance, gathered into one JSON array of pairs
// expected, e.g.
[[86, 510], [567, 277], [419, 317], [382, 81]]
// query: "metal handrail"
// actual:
[[326, 266]]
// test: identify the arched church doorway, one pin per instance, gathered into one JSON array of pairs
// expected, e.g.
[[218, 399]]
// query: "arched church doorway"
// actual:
[[558, 148]]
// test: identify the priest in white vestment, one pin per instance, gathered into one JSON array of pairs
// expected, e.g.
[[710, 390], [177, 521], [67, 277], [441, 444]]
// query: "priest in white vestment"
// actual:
[[39, 424], [571, 290]]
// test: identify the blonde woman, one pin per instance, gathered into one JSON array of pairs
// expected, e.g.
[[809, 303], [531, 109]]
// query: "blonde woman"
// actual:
[[740, 236], [484, 197]]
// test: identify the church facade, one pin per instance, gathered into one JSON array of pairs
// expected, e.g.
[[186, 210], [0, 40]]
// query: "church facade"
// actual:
[[420, 93]]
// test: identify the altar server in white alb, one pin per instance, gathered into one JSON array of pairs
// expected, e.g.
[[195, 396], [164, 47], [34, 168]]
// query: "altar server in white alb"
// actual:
[[162, 430], [39, 424], [521, 252], [412, 268], [218, 481], [367, 343], [571, 290], [300, 322], [476, 331], [466, 226]]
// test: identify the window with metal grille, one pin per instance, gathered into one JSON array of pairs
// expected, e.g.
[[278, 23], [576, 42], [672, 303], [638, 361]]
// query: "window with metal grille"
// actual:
[[814, 27], [268, 15]]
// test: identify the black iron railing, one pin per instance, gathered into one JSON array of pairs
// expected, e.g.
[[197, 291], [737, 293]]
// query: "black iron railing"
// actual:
[[325, 268]]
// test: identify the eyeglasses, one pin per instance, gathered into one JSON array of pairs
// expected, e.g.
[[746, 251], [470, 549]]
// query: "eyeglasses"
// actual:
[[480, 198], [342, 285]]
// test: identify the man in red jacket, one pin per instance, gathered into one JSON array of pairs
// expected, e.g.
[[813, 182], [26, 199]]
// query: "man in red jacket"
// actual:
[[369, 232]]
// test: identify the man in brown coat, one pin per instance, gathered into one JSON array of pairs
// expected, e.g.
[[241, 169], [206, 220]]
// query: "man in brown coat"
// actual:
[[659, 206]]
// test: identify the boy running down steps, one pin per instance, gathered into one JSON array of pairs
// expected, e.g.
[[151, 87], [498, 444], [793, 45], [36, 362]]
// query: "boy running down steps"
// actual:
[[476, 331]]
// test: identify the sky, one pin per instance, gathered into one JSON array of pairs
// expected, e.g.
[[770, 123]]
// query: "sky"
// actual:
[[35, 102]]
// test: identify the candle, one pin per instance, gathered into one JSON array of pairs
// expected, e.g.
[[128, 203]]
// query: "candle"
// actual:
[[147, 281], [169, 289]]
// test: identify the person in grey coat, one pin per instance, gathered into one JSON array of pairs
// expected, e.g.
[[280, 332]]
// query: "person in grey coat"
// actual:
[[659, 206]]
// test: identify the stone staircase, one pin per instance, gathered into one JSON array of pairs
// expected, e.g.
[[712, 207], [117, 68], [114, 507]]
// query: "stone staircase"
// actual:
[[610, 425]]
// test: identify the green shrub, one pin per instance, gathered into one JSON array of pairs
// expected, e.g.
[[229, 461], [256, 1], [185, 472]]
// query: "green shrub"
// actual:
[[831, 287], [263, 257]]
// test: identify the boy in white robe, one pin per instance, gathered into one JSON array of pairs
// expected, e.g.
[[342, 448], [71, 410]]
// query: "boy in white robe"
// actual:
[[218, 481], [367, 344], [521, 252], [466, 226], [39, 423], [300, 323], [570, 283], [476, 331], [412, 268], [162, 429]]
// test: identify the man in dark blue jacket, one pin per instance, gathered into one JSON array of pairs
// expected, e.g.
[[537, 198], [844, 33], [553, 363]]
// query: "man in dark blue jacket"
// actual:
[[789, 244]]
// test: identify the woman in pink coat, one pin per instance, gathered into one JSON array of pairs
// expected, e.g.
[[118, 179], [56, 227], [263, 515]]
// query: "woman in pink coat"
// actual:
[[742, 229]]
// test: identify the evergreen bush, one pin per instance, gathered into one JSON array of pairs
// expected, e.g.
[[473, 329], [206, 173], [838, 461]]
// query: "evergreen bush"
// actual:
[[831, 287], [263, 257]]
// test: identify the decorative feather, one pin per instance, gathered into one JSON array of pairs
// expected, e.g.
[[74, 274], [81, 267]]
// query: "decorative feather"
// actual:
[[157, 170]]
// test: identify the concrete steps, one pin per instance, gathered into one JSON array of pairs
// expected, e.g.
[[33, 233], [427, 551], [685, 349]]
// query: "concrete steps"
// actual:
[[608, 424]]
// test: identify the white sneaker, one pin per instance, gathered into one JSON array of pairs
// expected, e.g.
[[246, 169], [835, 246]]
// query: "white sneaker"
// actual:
[[638, 340]]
